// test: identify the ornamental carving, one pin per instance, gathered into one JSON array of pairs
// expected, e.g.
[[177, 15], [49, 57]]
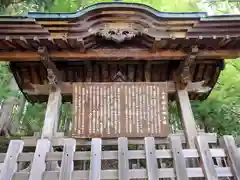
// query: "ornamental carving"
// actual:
[[118, 32]]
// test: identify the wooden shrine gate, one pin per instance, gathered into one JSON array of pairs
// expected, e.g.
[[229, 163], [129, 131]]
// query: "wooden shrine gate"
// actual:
[[120, 64]]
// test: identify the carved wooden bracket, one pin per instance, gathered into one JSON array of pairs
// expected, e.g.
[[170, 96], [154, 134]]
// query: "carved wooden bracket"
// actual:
[[53, 74], [118, 32], [182, 74]]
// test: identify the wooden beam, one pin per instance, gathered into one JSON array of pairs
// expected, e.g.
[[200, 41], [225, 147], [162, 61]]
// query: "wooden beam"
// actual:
[[31, 141], [187, 118], [166, 173], [67, 89], [52, 114], [53, 72], [182, 75], [119, 54]]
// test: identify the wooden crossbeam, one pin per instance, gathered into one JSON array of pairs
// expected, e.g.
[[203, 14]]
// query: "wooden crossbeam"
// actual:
[[67, 88], [57, 141], [134, 174], [106, 155], [42, 156], [119, 54], [183, 74], [53, 74]]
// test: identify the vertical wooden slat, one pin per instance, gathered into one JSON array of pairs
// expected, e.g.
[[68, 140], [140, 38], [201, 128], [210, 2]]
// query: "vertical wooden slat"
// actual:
[[206, 158], [67, 159], [152, 167], [187, 117], [178, 158], [52, 114], [228, 143], [38, 164], [123, 163], [187, 121], [10, 162], [95, 161]]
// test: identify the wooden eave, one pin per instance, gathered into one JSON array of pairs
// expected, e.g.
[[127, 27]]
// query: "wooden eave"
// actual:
[[119, 33]]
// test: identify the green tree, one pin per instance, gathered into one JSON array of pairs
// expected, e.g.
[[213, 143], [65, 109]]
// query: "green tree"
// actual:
[[222, 6], [18, 6]]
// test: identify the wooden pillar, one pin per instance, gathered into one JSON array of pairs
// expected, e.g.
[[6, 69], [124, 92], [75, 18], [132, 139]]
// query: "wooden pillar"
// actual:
[[52, 114], [187, 117], [50, 125]]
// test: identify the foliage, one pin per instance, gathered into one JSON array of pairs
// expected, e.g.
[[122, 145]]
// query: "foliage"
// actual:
[[174, 6], [21, 6], [220, 112], [5, 77], [223, 6], [32, 119]]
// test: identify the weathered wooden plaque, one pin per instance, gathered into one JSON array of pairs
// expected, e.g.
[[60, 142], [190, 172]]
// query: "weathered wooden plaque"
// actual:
[[111, 110]]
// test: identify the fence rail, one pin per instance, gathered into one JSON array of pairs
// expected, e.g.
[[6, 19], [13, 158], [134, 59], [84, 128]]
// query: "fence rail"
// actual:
[[97, 162]]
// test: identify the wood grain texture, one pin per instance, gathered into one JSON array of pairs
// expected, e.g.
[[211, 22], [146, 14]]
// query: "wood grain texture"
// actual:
[[106, 155], [187, 117], [152, 167], [95, 161], [52, 114], [178, 158], [123, 162], [38, 165], [119, 54], [67, 165]]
